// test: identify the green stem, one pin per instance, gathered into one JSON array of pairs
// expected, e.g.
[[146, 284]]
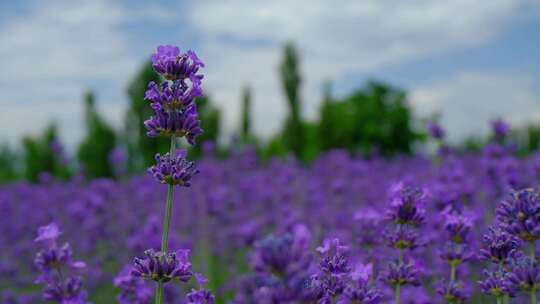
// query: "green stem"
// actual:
[[506, 299], [166, 222], [400, 256], [398, 294], [532, 248], [452, 271], [499, 300], [159, 293]]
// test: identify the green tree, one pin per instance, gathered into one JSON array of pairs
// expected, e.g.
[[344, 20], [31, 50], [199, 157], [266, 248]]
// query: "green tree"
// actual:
[[290, 80], [374, 118], [245, 128], [39, 156], [210, 117], [141, 149], [100, 140], [8, 164]]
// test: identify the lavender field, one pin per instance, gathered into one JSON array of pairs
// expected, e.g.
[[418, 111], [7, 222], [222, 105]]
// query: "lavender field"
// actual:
[[284, 233]]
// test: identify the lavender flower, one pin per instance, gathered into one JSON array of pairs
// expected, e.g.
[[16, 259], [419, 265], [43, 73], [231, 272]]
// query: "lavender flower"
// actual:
[[498, 245], [183, 123], [400, 274], [174, 65], [58, 269], [524, 274], [453, 292], [133, 290], [201, 296], [520, 214], [500, 128], [407, 205], [161, 267], [173, 170], [496, 284], [436, 131]]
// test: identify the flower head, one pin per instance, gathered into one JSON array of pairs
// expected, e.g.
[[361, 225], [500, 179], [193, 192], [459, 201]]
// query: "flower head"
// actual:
[[401, 274], [407, 205], [453, 292], [163, 267], [181, 123], [435, 130], [500, 128], [520, 214], [174, 170], [524, 274], [498, 245], [201, 296], [173, 65], [496, 284]]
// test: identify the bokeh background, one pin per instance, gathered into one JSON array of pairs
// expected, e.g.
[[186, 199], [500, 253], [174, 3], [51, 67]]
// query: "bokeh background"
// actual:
[[468, 62], [312, 111]]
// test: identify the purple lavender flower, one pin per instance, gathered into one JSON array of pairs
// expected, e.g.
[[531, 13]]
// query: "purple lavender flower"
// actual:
[[334, 257], [173, 171], [358, 290], [173, 65], [456, 254], [453, 292], [334, 268], [500, 128], [524, 274], [58, 269], [183, 123], [407, 205], [397, 274], [496, 284], [201, 296], [458, 227], [520, 214], [173, 97], [133, 290], [280, 256], [402, 237], [436, 131], [161, 267], [498, 245]]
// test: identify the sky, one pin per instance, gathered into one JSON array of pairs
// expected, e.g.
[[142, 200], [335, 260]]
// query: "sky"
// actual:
[[469, 61]]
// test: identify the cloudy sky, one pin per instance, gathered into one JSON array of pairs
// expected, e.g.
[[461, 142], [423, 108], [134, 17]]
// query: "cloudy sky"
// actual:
[[472, 61]]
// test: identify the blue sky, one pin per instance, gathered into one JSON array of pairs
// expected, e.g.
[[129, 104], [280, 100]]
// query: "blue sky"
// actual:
[[472, 61]]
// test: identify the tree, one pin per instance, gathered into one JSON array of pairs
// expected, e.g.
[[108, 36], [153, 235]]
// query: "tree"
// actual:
[[245, 128], [210, 117], [40, 157], [100, 140], [374, 118], [290, 80]]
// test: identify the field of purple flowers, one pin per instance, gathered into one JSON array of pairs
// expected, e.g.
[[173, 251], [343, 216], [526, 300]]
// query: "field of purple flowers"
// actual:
[[254, 230], [457, 228]]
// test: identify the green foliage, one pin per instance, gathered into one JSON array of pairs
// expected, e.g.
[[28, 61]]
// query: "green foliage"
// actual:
[[8, 164], [100, 140], [141, 149], [39, 156], [210, 117], [374, 118], [290, 80], [245, 128]]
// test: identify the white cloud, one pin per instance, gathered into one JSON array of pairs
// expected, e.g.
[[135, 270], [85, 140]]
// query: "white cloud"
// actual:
[[56, 51], [334, 38], [469, 101]]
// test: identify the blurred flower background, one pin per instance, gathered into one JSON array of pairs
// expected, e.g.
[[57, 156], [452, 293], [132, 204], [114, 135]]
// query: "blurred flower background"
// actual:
[[322, 121]]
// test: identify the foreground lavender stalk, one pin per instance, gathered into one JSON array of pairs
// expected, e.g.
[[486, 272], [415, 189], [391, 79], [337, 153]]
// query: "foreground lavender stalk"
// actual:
[[406, 214], [58, 270], [175, 116]]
